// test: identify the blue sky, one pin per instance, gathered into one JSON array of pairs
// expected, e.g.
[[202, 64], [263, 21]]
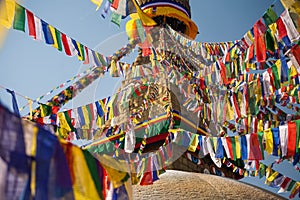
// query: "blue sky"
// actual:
[[33, 68]]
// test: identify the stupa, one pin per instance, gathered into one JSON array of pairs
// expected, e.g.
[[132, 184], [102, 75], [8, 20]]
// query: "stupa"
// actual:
[[161, 94]]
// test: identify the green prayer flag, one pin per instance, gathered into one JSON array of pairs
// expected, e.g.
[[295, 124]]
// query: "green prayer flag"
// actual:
[[276, 77], [19, 19], [270, 41], [82, 51], [290, 187], [45, 110], [116, 18], [233, 147], [262, 170], [58, 37], [270, 16], [69, 121]]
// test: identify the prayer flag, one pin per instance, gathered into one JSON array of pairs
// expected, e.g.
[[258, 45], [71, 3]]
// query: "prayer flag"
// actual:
[[269, 141], [45, 110], [47, 34], [292, 137], [292, 32], [276, 140], [19, 19], [244, 149], [38, 28], [284, 70], [116, 18], [106, 8], [283, 134], [254, 151], [270, 41], [87, 58], [282, 32], [270, 16], [237, 147], [219, 149], [260, 46], [56, 36], [98, 3], [81, 52], [31, 24], [7, 13], [115, 4]]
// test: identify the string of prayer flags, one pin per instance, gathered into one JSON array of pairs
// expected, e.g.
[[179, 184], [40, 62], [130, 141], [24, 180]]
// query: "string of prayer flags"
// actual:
[[41, 30]]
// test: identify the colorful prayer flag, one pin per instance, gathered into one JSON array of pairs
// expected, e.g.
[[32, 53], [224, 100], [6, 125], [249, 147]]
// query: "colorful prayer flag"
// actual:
[[19, 19]]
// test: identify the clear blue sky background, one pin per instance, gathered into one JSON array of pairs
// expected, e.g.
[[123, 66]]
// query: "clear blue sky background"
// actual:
[[33, 68]]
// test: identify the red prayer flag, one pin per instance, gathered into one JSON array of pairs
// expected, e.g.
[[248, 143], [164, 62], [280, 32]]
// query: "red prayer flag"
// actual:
[[115, 4], [296, 52], [282, 32], [292, 137], [229, 144], [255, 151], [147, 178], [223, 73], [261, 26], [31, 24], [260, 45], [66, 44]]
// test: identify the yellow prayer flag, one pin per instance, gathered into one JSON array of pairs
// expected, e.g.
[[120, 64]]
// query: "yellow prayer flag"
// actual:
[[237, 147], [7, 13], [86, 117], [293, 71], [52, 31], [273, 28], [268, 135], [98, 3], [272, 177], [249, 34], [194, 143], [278, 65], [63, 122], [229, 111], [80, 51], [260, 126]]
